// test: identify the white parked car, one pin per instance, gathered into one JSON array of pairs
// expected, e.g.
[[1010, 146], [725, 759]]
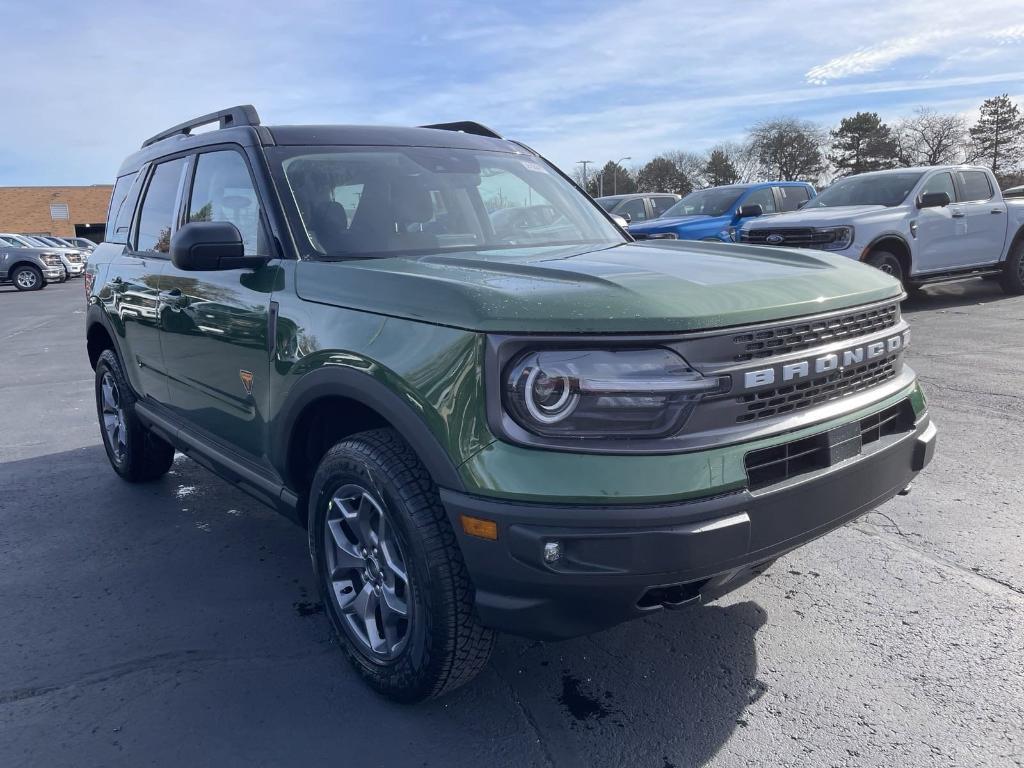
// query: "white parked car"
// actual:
[[921, 225]]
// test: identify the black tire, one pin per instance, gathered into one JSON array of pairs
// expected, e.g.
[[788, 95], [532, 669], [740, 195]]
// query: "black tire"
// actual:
[[135, 453], [1012, 279], [27, 278], [443, 644], [888, 263]]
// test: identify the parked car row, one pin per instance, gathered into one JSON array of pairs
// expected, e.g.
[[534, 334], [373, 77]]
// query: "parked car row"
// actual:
[[29, 262], [920, 225]]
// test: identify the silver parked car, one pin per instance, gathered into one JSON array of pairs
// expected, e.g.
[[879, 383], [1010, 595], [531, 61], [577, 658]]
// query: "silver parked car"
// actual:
[[28, 268], [71, 258]]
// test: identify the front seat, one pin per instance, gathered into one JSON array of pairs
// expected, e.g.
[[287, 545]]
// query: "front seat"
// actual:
[[329, 223]]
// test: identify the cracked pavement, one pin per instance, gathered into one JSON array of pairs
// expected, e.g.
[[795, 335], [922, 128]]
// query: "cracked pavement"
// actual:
[[178, 623]]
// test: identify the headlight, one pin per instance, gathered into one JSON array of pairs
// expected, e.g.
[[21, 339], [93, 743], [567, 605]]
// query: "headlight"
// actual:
[[836, 238], [594, 393]]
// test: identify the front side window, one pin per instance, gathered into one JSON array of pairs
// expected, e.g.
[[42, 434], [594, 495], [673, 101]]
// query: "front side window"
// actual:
[[975, 186], [383, 201], [762, 197], [707, 202], [662, 204], [793, 197], [940, 182], [222, 190], [156, 218], [633, 208], [888, 189]]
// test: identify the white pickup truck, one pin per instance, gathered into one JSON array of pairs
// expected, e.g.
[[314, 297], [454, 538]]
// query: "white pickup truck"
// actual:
[[921, 225]]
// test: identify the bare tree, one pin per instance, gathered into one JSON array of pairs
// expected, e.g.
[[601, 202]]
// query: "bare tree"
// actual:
[[931, 138], [789, 149]]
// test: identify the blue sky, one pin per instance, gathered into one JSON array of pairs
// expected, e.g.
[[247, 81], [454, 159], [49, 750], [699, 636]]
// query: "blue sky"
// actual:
[[82, 83]]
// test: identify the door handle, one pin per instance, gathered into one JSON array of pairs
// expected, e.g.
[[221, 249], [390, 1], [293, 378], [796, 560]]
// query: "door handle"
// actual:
[[174, 298], [957, 214], [996, 210]]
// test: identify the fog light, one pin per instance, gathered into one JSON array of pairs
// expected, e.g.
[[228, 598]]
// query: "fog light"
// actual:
[[552, 552]]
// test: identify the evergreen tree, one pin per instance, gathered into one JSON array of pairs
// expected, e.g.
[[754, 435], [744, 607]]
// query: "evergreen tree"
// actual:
[[862, 143], [997, 138], [719, 169]]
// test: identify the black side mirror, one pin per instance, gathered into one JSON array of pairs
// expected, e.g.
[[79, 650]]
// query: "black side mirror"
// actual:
[[933, 200], [749, 211], [627, 217], [207, 246]]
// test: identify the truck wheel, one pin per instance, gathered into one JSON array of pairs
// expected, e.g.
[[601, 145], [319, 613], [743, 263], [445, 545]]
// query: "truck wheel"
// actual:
[[135, 453], [886, 262], [27, 278], [1012, 278], [390, 571]]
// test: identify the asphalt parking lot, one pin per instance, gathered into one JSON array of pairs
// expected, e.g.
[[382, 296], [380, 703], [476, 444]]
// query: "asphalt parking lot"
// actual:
[[178, 623]]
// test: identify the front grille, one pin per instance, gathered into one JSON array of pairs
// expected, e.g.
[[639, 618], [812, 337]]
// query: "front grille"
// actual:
[[801, 395], [793, 337], [792, 237], [779, 463]]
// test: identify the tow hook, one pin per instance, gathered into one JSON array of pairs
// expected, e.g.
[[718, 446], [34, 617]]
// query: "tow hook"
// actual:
[[906, 491]]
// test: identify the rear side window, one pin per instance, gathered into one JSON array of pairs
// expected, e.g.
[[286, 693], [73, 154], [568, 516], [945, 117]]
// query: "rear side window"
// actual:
[[117, 198], [223, 191], [156, 219], [793, 197], [974, 185]]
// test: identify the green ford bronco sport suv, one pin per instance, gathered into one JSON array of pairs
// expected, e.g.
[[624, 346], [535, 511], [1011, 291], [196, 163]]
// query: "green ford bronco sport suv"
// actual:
[[489, 408]]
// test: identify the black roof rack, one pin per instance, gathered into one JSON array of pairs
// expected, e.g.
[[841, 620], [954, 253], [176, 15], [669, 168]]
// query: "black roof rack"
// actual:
[[244, 114], [465, 126]]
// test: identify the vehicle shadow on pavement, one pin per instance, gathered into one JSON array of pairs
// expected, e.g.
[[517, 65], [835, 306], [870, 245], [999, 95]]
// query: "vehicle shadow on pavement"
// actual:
[[667, 690], [950, 295], [139, 610]]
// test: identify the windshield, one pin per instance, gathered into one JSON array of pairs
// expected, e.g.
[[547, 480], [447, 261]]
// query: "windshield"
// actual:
[[706, 202], [886, 189], [382, 201]]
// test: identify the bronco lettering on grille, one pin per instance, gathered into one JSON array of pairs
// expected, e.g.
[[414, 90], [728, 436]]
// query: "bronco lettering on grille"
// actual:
[[803, 369]]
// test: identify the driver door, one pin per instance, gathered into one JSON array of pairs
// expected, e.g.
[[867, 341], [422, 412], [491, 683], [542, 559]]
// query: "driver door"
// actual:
[[940, 231], [215, 324]]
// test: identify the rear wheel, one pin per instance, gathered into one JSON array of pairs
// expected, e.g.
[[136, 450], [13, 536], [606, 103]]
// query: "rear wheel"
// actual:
[[390, 571], [135, 453], [27, 278], [1012, 279]]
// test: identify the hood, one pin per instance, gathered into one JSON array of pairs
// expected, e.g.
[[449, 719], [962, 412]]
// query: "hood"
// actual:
[[661, 286], [820, 217], [666, 223]]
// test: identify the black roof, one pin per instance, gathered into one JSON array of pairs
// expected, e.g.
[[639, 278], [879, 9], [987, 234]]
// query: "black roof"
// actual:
[[241, 125]]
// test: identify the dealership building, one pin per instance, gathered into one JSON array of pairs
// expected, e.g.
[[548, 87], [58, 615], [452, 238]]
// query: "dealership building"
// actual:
[[60, 211]]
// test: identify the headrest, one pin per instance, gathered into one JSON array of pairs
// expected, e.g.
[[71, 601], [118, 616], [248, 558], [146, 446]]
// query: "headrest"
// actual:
[[411, 202]]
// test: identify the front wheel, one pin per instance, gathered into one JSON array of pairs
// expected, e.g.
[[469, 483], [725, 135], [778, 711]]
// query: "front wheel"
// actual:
[[887, 263], [390, 571], [1012, 279], [28, 278]]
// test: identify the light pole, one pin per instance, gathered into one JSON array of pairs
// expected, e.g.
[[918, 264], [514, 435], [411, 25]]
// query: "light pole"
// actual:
[[584, 163], [615, 173]]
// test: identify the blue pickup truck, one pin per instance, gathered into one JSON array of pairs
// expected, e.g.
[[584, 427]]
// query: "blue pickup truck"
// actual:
[[717, 213]]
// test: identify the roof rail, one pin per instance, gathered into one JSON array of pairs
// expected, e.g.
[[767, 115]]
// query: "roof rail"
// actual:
[[465, 126], [244, 114]]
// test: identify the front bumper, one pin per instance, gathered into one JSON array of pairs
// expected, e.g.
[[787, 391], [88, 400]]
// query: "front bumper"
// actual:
[[620, 562], [75, 270], [53, 273]]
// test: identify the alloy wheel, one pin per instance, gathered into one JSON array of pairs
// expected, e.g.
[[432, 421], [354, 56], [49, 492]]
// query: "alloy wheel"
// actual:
[[113, 416], [27, 279], [367, 571]]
